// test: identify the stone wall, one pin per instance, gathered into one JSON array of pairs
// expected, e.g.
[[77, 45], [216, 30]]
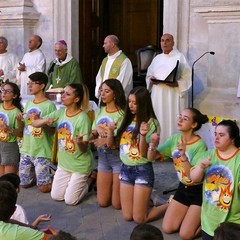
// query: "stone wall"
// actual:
[[51, 19], [197, 25], [200, 26]]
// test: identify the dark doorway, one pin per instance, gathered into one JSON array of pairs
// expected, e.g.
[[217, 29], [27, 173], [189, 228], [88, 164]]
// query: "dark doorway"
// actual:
[[137, 23]]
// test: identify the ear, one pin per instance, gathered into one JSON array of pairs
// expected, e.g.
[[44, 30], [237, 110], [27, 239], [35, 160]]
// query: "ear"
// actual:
[[42, 86], [194, 125], [77, 99]]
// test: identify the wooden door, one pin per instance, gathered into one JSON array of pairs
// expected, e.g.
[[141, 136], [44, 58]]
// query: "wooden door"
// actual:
[[90, 38], [137, 23]]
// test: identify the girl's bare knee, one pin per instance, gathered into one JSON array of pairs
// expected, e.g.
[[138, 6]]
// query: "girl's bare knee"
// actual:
[[116, 206], [185, 234], [140, 219], [127, 217], [103, 204], [168, 229]]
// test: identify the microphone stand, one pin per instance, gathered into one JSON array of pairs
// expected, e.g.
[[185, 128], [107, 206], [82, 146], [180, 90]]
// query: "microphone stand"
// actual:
[[212, 53]]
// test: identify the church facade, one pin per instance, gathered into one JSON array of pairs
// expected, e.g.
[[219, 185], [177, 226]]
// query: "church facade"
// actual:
[[198, 26]]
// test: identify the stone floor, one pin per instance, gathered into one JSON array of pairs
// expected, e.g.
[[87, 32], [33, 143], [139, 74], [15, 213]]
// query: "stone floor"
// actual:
[[87, 220]]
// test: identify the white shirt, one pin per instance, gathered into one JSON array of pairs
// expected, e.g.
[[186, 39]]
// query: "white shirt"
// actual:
[[35, 62], [20, 215], [9, 65]]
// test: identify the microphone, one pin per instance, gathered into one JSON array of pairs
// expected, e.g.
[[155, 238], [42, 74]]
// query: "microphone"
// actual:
[[212, 53]]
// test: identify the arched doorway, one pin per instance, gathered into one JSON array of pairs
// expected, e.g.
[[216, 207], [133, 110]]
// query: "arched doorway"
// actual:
[[136, 22]]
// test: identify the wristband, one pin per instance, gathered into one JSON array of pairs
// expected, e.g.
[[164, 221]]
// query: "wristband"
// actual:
[[151, 148]]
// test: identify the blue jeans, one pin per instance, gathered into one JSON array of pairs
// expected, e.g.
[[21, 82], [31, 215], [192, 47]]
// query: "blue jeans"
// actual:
[[137, 175]]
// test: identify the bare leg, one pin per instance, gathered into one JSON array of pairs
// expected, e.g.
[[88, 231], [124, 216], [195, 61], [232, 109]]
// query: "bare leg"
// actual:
[[126, 196], [1, 170], [190, 227], [116, 203], [104, 188], [157, 212], [174, 216], [10, 169], [140, 203]]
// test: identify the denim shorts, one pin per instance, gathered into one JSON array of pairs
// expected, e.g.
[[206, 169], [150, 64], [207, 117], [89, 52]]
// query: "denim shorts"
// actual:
[[137, 175], [109, 161], [30, 167]]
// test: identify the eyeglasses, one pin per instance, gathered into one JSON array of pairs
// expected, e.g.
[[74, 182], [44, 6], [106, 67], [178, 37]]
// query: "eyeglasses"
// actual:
[[6, 91], [33, 83], [184, 118]]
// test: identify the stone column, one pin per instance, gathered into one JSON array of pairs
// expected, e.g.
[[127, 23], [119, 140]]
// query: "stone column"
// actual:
[[66, 22], [17, 21]]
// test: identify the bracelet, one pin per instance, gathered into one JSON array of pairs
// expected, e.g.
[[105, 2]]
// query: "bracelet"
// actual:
[[11, 130], [151, 148]]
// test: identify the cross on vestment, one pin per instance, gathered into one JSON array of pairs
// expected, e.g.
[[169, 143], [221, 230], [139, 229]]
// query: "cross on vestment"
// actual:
[[58, 79]]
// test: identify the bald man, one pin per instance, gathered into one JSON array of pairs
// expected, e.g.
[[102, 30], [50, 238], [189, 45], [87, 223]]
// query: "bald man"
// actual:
[[116, 65], [33, 61], [168, 99]]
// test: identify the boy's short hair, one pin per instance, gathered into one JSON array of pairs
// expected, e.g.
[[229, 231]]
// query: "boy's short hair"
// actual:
[[12, 178], [227, 231], [8, 199], [40, 77], [62, 236], [145, 231]]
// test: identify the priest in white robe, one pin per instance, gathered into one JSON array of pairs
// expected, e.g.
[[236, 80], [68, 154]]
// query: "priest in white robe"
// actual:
[[168, 99], [8, 62], [33, 61]]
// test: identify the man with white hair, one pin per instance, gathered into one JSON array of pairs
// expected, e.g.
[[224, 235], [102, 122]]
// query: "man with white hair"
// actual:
[[116, 65], [8, 62], [64, 69]]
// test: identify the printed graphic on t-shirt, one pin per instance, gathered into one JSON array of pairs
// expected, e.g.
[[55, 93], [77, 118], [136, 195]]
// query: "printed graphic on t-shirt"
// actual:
[[3, 133], [128, 147], [65, 137], [178, 165], [31, 115], [104, 122], [219, 187]]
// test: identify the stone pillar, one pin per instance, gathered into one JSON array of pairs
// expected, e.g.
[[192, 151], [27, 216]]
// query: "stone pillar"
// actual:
[[66, 22], [17, 21]]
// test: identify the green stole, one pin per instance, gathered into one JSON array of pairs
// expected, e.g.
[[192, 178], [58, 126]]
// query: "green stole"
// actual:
[[115, 68]]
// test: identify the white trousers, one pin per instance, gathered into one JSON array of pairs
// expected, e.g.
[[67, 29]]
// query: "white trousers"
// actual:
[[68, 186]]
